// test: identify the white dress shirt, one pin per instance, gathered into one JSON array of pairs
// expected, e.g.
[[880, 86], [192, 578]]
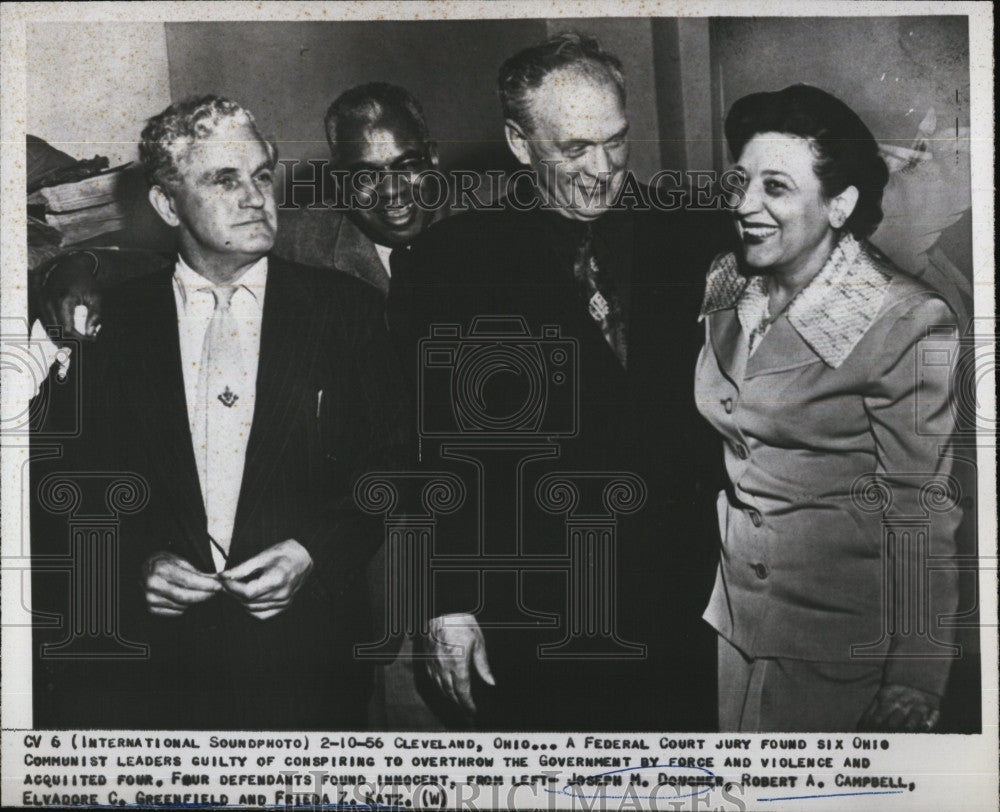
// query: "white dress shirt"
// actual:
[[195, 306], [384, 252]]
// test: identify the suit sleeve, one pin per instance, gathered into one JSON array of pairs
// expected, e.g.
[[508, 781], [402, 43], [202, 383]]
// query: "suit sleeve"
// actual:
[[910, 413]]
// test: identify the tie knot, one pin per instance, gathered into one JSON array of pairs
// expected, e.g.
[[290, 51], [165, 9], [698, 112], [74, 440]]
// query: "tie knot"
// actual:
[[223, 295]]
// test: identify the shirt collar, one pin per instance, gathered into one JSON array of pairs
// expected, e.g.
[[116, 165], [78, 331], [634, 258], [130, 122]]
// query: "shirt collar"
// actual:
[[253, 280], [383, 252], [831, 314]]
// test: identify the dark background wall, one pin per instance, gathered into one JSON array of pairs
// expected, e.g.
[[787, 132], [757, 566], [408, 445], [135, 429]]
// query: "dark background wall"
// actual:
[[288, 73]]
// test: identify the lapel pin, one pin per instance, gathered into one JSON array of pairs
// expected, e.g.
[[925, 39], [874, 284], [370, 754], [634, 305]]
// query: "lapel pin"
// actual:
[[228, 398]]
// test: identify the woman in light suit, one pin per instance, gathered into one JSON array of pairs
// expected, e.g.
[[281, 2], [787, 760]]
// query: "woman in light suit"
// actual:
[[827, 373]]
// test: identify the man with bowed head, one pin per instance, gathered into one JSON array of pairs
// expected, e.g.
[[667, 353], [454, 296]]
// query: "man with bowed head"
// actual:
[[219, 379], [580, 248]]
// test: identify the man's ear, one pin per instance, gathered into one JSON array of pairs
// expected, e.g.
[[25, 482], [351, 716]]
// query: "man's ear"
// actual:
[[432, 153], [517, 140], [164, 204], [842, 206]]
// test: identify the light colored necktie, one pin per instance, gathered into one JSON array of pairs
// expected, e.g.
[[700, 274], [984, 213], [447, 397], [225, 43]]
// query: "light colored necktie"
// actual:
[[220, 420]]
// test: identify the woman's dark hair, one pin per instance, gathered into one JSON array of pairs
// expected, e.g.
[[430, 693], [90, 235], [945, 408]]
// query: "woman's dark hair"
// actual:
[[845, 149]]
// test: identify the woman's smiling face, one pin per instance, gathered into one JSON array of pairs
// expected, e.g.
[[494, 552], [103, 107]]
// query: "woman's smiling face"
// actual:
[[784, 217]]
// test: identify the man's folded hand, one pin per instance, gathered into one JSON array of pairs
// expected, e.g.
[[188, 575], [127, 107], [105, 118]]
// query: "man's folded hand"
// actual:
[[267, 583], [172, 584]]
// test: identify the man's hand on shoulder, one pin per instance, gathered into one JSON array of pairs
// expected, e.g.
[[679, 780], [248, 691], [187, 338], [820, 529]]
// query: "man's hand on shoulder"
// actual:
[[455, 641], [70, 296], [172, 584], [267, 583]]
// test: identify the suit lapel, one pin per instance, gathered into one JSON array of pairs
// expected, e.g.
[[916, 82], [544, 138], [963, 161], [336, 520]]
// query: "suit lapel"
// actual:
[[728, 344], [355, 254], [781, 349], [155, 385], [291, 328]]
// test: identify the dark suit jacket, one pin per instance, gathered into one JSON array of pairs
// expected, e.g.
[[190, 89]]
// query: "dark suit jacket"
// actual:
[[643, 420], [216, 666]]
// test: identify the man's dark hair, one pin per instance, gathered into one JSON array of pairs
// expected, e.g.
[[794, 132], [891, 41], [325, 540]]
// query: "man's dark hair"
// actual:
[[169, 134], [845, 149], [527, 69], [367, 104]]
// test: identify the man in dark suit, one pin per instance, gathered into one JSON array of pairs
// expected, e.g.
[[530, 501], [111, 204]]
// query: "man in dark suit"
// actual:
[[582, 249], [249, 394], [380, 144]]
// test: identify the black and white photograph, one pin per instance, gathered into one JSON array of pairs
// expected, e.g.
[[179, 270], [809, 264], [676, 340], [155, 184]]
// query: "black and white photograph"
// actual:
[[524, 405]]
